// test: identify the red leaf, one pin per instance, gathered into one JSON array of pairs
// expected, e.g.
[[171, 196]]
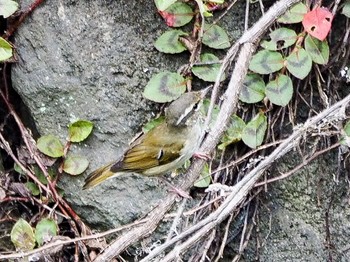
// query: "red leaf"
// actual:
[[169, 18], [318, 22]]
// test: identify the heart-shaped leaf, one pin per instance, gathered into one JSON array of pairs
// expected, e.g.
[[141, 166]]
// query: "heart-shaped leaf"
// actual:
[[75, 165], [215, 37], [253, 89], [318, 50], [165, 87], [8, 7], [5, 49], [178, 14], [45, 230], [294, 14], [266, 62], [233, 133], [280, 38], [280, 90], [50, 145], [254, 132], [210, 71], [79, 130], [299, 63], [318, 22], [169, 42], [22, 235]]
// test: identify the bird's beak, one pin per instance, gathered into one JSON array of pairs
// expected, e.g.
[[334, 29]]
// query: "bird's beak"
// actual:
[[204, 91]]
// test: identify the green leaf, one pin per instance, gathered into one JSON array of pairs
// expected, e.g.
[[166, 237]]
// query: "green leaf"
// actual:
[[280, 38], [45, 230], [178, 14], [345, 138], [253, 89], [254, 132], [8, 7], [79, 130], [169, 42], [215, 37], [5, 50], [346, 9], [318, 50], [33, 188], [75, 165], [18, 169], [294, 14], [163, 4], [266, 62], [22, 235], [204, 179], [280, 90], [233, 133], [165, 87], [210, 71], [203, 9], [50, 146], [152, 124], [299, 63]]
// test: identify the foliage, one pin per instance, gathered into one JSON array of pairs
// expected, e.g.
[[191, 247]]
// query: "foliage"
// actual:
[[51, 146]]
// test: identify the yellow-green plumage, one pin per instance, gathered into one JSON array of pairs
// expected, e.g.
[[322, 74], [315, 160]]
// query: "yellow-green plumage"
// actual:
[[164, 148]]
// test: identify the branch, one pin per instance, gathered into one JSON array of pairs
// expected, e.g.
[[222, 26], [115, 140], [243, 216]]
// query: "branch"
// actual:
[[229, 106]]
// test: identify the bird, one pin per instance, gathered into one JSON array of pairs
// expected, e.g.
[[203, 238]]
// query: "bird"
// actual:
[[164, 148]]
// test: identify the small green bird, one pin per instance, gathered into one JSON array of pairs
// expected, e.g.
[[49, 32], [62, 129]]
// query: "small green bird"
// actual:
[[164, 148]]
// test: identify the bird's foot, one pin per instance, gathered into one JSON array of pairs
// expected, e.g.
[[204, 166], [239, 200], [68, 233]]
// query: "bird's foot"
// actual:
[[202, 155]]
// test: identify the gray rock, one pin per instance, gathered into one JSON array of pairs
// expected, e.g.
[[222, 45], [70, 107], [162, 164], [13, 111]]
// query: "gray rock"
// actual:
[[91, 60]]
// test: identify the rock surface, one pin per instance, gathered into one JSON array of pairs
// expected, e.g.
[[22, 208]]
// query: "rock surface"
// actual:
[[91, 60]]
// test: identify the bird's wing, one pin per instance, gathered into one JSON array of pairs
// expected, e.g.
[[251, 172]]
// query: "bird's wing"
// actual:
[[151, 150]]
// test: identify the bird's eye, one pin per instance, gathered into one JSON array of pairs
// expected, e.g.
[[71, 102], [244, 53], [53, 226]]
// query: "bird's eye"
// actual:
[[196, 106]]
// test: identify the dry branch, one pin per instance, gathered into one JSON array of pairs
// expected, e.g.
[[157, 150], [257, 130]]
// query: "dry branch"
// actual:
[[229, 106]]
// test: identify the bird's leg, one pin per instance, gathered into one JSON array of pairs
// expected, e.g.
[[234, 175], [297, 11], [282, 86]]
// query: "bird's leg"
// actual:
[[202, 155], [174, 189]]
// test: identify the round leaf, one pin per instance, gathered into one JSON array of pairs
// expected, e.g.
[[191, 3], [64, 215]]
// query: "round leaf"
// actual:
[[169, 42], [299, 63], [210, 71], [178, 14], [152, 124], [254, 132], [33, 188], [253, 89], [318, 22], [165, 87], [50, 146], [5, 49], [45, 230], [318, 50], [75, 165], [266, 62], [280, 90], [8, 7], [233, 133], [294, 14], [22, 235], [280, 38], [79, 130], [215, 37]]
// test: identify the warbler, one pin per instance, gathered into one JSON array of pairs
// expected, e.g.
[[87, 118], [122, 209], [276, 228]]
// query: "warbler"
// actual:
[[164, 148]]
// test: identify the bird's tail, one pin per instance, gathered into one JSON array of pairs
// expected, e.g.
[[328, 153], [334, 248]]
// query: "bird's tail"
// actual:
[[98, 176]]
